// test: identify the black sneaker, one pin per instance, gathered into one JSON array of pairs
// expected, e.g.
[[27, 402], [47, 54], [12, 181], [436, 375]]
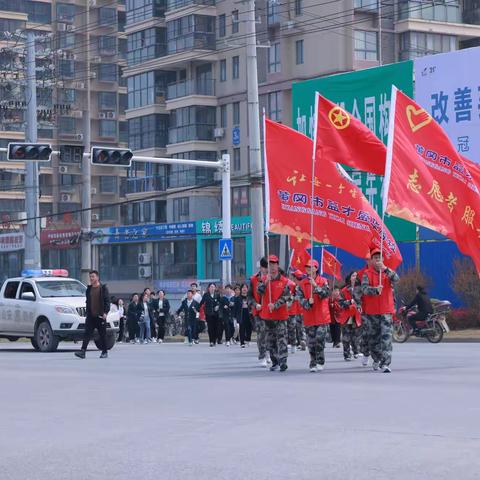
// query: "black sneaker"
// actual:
[[104, 355], [274, 367], [80, 354], [284, 367]]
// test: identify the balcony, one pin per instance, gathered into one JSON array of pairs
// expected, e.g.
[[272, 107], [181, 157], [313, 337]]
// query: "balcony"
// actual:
[[146, 53], [191, 41], [191, 133], [152, 183], [187, 88], [176, 4]]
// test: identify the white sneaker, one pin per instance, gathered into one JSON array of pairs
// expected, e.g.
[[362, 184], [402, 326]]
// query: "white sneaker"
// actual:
[[160, 340], [190, 344], [137, 340], [263, 363], [313, 369], [269, 360], [293, 349], [186, 340], [319, 367], [365, 361], [375, 366], [386, 369], [154, 340], [228, 344]]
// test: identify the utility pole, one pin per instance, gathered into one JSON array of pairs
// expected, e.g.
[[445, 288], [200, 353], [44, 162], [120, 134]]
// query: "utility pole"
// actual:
[[256, 190], [86, 215], [33, 257]]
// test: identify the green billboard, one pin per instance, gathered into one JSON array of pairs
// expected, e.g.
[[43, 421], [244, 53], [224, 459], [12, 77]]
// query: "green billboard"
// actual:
[[366, 95]]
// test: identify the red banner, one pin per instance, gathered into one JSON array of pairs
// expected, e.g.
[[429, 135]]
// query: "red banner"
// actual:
[[331, 265], [60, 239], [342, 215], [346, 140], [429, 182]]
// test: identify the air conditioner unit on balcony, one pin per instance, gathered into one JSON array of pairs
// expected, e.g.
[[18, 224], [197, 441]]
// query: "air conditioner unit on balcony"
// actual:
[[62, 169], [110, 115], [65, 197], [93, 191], [69, 28], [79, 136], [144, 259], [219, 132], [95, 217], [144, 272], [76, 114], [61, 27], [102, 115], [96, 59]]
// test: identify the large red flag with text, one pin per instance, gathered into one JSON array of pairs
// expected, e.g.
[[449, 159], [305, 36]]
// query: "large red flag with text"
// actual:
[[331, 265], [346, 140], [427, 181], [342, 215]]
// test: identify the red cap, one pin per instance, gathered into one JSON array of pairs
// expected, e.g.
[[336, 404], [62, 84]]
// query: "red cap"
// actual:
[[298, 274], [273, 259], [374, 251], [311, 263]]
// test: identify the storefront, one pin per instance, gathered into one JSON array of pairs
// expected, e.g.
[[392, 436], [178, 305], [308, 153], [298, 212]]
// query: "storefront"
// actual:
[[12, 247], [61, 249], [209, 231]]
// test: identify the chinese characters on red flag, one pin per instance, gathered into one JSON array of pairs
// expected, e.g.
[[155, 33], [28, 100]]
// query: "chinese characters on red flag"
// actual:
[[343, 217], [346, 140], [427, 181], [331, 265]]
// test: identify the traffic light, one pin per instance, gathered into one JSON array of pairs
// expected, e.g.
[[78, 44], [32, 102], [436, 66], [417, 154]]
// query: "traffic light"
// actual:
[[111, 157], [40, 152]]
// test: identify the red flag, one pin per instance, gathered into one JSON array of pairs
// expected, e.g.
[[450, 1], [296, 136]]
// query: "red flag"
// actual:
[[345, 139], [342, 215], [299, 256], [331, 265], [427, 181]]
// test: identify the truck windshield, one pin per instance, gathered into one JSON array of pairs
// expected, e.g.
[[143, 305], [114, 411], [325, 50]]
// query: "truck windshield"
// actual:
[[61, 288]]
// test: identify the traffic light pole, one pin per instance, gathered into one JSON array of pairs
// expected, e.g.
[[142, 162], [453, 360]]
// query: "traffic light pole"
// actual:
[[33, 257]]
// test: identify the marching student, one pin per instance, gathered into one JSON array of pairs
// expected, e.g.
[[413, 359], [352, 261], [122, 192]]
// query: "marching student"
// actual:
[[190, 309]]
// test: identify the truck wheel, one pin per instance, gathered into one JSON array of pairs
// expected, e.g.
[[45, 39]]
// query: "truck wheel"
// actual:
[[110, 341], [44, 337], [34, 344]]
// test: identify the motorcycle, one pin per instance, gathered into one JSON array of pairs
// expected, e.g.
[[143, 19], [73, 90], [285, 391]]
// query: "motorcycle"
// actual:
[[433, 328]]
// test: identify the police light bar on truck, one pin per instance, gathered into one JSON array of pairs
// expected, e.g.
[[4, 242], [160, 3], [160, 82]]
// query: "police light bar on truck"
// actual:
[[57, 272]]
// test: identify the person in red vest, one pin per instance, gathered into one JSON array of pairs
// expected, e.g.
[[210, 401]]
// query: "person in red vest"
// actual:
[[313, 296], [379, 306], [350, 317], [255, 301], [296, 330], [275, 293]]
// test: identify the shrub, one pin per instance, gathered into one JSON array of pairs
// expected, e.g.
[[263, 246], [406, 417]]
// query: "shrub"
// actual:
[[466, 284], [406, 288], [461, 319]]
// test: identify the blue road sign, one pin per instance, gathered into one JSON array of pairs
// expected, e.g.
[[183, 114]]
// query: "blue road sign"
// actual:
[[225, 249]]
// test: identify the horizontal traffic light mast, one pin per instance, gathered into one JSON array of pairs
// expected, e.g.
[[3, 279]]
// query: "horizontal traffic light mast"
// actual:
[[108, 156]]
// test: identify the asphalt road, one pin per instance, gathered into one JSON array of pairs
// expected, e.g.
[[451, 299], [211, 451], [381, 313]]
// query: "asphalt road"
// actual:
[[176, 412]]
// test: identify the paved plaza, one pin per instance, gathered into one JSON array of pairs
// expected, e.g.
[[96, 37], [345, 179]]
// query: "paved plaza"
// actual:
[[176, 412]]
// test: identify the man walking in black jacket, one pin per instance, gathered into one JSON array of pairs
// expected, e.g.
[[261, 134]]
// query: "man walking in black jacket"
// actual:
[[190, 309], [98, 306]]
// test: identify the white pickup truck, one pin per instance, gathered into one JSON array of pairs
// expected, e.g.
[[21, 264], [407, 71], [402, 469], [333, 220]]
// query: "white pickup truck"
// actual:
[[47, 309]]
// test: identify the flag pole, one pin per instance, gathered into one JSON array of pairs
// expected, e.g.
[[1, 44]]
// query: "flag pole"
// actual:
[[335, 269], [267, 197], [388, 167]]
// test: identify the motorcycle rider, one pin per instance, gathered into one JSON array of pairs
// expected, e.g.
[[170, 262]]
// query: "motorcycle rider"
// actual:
[[424, 305]]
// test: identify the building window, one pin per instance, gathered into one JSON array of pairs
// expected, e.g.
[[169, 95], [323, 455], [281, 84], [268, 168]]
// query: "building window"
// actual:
[[192, 123], [274, 106], [66, 68], [222, 25], [299, 52], [148, 88], [107, 100], [236, 113], [67, 125], [66, 40], [107, 16], [213, 266], [235, 67], [417, 44], [236, 159], [191, 32], [107, 45], [66, 95], [139, 10], [107, 128], [119, 262], [66, 12], [223, 116], [366, 45], [273, 13], [149, 131], [298, 7], [146, 45], [186, 176], [240, 201], [223, 70], [181, 208], [235, 21], [274, 58], [107, 72], [436, 10], [108, 184], [38, 12]]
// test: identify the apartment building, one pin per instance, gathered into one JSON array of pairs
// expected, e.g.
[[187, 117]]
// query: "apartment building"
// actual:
[[81, 51]]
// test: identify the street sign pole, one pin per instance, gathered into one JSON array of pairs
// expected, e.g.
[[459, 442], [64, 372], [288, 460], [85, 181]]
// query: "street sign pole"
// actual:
[[226, 216]]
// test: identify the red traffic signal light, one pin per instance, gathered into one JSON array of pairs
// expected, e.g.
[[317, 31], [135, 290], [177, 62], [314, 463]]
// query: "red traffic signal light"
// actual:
[[40, 152], [111, 157]]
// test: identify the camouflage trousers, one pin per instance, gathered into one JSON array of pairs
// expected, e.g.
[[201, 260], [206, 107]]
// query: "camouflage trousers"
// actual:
[[261, 337], [316, 336], [301, 335], [277, 341], [351, 337], [364, 338], [380, 331], [292, 330]]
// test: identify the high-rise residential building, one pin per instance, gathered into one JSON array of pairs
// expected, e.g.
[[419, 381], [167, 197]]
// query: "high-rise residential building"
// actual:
[[71, 35]]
